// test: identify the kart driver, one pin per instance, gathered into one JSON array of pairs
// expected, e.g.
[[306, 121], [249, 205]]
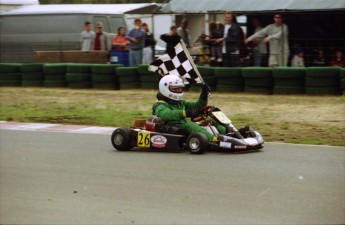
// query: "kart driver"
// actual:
[[171, 107]]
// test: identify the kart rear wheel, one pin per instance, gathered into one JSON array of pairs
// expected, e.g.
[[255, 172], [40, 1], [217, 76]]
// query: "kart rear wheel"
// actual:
[[121, 139], [197, 143]]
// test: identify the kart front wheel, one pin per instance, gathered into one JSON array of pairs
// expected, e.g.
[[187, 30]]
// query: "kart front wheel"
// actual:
[[121, 139], [197, 143]]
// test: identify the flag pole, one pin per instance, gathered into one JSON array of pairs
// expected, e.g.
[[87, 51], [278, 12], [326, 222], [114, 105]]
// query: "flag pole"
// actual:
[[191, 61]]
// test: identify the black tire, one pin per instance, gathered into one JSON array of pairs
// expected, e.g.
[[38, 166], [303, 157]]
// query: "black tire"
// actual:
[[105, 68], [78, 68], [257, 72], [32, 83], [10, 67], [31, 67], [78, 77], [33, 76], [234, 72], [197, 143], [121, 139]]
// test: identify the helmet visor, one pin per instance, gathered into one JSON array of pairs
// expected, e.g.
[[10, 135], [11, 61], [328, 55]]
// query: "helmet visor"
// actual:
[[176, 89]]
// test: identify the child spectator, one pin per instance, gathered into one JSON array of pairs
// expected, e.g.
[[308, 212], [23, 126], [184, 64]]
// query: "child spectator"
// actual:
[[319, 60], [298, 60], [338, 59], [216, 32]]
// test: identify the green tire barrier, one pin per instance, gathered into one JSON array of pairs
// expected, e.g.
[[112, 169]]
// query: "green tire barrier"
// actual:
[[143, 69], [149, 78], [228, 79], [39, 76], [257, 90], [259, 82], [206, 71], [227, 72], [342, 82], [10, 76], [288, 77], [322, 91], [124, 86], [128, 77], [54, 83], [55, 68], [342, 73], [322, 82], [103, 77], [10, 83], [54, 77], [105, 68], [78, 68], [31, 67], [288, 90], [77, 77], [10, 67], [32, 83], [144, 85], [289, 82], [80, 85], [317, 72], [256, 72], [229, 88]]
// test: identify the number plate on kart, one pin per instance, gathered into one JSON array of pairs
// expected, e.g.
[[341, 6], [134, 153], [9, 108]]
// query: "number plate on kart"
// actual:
[[144, 139], [221, 117]]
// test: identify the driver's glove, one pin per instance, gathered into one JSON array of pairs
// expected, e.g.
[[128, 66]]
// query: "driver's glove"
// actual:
[[205, 91], [190, 113]]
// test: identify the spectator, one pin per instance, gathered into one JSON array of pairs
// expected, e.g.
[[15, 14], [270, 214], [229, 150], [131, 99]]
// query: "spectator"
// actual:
[[276, 35], [119, 42], [232, 42], [149, 45], [184, 33], [101, 38], [87, 38], [338, 59], [297, 59], [136, 36], [171, 38], [259, 47], [319, 60], [216, 32]]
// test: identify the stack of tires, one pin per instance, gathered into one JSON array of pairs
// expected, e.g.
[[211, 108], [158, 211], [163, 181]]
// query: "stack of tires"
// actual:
[[32, 75], [322, 81], [258, 80], [78, 76], [228, 79], [10, 74], [208, 75], [128, 77], [342, 81], [54, 74], [104, 76], [148, 80], [288, 80]]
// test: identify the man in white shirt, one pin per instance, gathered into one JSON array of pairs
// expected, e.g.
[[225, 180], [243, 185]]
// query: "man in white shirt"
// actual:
[[87, 38], [276, 35]]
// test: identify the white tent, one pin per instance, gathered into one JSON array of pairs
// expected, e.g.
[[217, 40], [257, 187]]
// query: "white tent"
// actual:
[[6, 5]]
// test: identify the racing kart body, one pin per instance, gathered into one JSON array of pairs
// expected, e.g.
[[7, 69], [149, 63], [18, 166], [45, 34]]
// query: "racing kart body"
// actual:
[[154, 133]]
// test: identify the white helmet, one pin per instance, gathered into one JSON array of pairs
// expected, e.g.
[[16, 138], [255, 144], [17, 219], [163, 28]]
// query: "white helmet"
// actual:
[[171, 86]]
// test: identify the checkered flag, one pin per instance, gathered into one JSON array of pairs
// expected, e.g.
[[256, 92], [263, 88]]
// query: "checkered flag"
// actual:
[[179, 63]]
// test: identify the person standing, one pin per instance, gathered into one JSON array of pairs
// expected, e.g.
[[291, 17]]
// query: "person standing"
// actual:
[[87, 37], [136, 36], [276, 35], [149, 45], [232, 42], [171, 38], [184, 33], [259, 47], [101, 38], [119, 42]]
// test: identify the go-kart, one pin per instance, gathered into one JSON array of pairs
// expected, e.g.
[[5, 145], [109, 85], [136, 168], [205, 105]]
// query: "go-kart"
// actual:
[[154, 133]]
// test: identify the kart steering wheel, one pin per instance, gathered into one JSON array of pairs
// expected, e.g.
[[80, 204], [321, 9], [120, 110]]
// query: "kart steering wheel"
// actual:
[[202, 114]]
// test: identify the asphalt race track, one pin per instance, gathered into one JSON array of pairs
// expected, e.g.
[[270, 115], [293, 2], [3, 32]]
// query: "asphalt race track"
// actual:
[[78, 178]]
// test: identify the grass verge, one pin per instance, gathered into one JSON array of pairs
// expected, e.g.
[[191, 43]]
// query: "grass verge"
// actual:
[[293, 119]]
